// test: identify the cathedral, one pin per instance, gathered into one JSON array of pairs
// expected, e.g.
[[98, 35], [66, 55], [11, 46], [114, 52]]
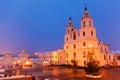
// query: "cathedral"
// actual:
[[79, 44]]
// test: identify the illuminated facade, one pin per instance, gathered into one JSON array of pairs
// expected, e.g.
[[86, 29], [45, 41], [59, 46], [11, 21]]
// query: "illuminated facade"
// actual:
[[78, 43]]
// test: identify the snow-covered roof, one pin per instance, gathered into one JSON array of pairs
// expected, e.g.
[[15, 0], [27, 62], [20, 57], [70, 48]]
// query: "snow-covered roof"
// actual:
[[116, 51]]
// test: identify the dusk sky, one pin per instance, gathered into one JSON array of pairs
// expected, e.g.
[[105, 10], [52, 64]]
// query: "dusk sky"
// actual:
[[39, 25]]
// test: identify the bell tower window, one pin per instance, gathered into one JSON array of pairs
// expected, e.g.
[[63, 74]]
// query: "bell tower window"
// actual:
[[91, 33], [89, 23], [84, 24]]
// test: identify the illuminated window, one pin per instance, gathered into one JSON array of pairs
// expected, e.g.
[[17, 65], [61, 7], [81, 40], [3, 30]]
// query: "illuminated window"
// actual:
[[84, 54], [74, 54], [84, 44], [84, 33]]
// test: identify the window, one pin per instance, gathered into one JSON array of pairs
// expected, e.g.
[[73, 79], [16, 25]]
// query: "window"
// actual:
[[101, 49], [67, 55], [84, 54], [104, 57], [74, 46], [72, 29], [84, 24], [66, 47], [74, 36], [105, 50], [109, 57], [84, 33], [85, 63], [67, 61], [118, 57], [74, 54], [84, 44], [89, 23], [91, 33], [67, 39]]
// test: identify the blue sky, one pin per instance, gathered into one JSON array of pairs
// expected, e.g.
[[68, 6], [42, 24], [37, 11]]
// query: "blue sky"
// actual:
[[39, 25]]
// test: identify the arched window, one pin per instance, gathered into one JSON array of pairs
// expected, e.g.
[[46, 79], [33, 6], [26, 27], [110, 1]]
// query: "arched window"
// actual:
[[84, 44], [74, 36], [91, 33], [89, 23], [74, 54], [84, 33], [84, 24]]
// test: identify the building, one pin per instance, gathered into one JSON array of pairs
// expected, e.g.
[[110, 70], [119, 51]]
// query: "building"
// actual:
[[9, 61], [79, 43], [53, 57]]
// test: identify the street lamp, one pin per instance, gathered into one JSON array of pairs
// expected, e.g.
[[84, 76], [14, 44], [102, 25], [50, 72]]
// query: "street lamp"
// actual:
[[26, 65]]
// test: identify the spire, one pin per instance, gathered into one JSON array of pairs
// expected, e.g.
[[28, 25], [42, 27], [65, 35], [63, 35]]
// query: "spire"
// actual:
[[86, 14], [85, 10], [70, 21]]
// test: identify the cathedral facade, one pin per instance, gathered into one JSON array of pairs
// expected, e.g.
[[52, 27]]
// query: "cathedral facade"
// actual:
[[78, 43]]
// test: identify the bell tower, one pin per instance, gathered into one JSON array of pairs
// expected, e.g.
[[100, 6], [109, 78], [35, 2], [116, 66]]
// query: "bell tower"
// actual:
[[87, 30], [69, 29]]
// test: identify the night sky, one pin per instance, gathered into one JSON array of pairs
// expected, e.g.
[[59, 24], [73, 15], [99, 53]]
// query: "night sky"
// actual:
[[39, 25]]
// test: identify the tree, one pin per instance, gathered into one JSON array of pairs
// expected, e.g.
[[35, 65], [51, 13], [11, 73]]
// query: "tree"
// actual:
[[93, 68]]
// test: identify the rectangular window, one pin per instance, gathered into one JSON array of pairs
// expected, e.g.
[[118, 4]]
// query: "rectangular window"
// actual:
[[118, 57], [104, 57]]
